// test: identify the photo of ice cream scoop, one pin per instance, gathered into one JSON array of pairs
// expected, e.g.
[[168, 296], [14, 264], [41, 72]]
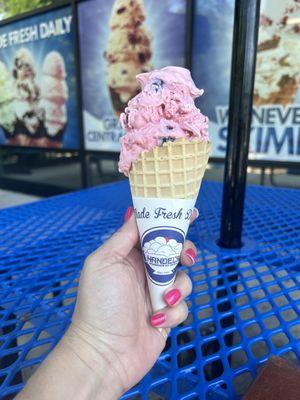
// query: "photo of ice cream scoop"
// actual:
[[23, 65], [33, 121], [8, 116], [128, 52], [278, 63], [31, 115], [54, 95], [163, 110], [27, 96]]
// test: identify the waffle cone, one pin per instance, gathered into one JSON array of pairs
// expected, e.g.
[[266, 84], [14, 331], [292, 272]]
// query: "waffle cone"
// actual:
[[285, 96], [174, 170]]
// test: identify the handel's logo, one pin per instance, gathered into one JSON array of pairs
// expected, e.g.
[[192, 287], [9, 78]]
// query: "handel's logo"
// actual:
[[161, 249]]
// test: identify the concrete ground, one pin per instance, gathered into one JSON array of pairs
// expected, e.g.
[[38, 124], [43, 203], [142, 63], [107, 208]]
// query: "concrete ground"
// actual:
[[10, 199]]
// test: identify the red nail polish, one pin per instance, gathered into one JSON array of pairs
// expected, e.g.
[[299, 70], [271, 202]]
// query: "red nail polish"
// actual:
[[191, 255], [128, 213], [157, 319], [196, 212], [172, 297]]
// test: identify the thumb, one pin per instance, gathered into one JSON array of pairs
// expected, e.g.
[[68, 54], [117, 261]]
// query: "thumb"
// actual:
[[123, 241]]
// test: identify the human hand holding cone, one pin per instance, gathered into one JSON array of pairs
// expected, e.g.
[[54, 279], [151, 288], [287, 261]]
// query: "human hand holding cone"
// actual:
[[164, 153]]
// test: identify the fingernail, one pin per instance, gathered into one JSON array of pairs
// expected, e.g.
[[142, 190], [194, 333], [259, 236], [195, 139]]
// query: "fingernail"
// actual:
[[196, 212], [172, 297], [157, 319], [191, 255], [128, 213]]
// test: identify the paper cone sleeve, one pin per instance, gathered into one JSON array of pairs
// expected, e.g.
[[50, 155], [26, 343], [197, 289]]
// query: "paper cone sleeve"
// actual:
[[167, 177]]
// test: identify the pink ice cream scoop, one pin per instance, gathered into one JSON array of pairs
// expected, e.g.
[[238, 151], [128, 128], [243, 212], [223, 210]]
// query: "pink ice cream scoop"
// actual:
[[163, 110], [54, 65]]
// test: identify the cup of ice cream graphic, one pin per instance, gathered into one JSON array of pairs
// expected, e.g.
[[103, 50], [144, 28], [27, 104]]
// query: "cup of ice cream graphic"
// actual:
[[32, 113]]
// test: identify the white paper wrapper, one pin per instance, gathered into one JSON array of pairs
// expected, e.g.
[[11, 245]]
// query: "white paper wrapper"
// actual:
[[162, 224]]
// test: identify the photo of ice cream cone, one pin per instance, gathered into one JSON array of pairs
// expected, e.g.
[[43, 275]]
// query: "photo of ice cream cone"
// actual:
[[278, 66], [54, 95], [27, 96], [128, 51], [8, 116], [164, 153]]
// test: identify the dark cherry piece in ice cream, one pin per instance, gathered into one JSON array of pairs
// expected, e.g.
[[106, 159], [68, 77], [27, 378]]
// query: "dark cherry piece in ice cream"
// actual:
[[157, 84], [121, 10]]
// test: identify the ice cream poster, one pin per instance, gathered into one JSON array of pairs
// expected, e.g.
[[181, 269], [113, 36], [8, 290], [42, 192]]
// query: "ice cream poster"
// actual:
[[37, 82], [119, 40], [275, 133]]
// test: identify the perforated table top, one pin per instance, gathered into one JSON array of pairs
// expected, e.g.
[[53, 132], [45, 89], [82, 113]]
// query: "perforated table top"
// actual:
[[244, 308]]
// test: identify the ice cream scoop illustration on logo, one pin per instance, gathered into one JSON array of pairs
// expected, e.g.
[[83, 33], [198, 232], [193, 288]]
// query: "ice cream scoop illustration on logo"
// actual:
[[161, 249]]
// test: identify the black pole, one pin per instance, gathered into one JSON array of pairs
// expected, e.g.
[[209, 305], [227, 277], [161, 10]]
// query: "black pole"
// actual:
[[189, 30], [246, 22]]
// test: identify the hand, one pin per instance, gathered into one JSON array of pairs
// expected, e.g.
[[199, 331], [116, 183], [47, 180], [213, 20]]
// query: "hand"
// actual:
[[112, 322]]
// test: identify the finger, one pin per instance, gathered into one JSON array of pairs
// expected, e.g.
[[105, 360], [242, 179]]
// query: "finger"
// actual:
[[170, 317], [195, 215], [127, 216], [122, 242], [164, 332], [128, 213], [181, 288], [188, 255]]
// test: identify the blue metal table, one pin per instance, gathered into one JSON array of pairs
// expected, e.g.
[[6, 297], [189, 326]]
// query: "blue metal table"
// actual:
[[244, 307]]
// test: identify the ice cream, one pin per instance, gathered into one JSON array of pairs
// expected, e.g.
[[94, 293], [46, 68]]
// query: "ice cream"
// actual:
[[27, 96], [164, 153], [4, 75], [54, 97], [27, 90], [54, 90], [54, 65], [7, 113], [55, 116], [278, 62], [128, 51], [127, 13], [163, 110], [129, 46]]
